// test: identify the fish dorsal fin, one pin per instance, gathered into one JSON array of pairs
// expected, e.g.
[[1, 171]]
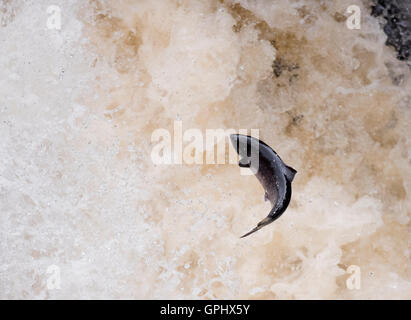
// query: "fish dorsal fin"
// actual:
[[290, 173]]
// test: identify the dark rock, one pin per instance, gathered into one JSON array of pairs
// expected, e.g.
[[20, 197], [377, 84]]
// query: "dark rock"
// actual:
[[397, 16]]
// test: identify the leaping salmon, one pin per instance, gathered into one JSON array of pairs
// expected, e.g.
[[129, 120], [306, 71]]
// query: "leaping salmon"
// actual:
[[274, 175]]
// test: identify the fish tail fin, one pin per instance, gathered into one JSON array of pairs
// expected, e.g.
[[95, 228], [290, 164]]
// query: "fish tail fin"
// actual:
[[252, 231], [262, 223]]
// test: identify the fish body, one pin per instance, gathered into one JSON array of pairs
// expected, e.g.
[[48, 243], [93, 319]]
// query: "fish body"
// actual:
[[272, 173]]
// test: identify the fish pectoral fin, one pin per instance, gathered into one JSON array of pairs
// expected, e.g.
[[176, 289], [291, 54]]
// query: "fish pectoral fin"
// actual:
[[244, 163], [266, 196]]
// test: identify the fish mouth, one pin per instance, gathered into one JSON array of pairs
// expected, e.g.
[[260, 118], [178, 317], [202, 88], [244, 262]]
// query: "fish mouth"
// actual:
[[234, 140], [239, 142]]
